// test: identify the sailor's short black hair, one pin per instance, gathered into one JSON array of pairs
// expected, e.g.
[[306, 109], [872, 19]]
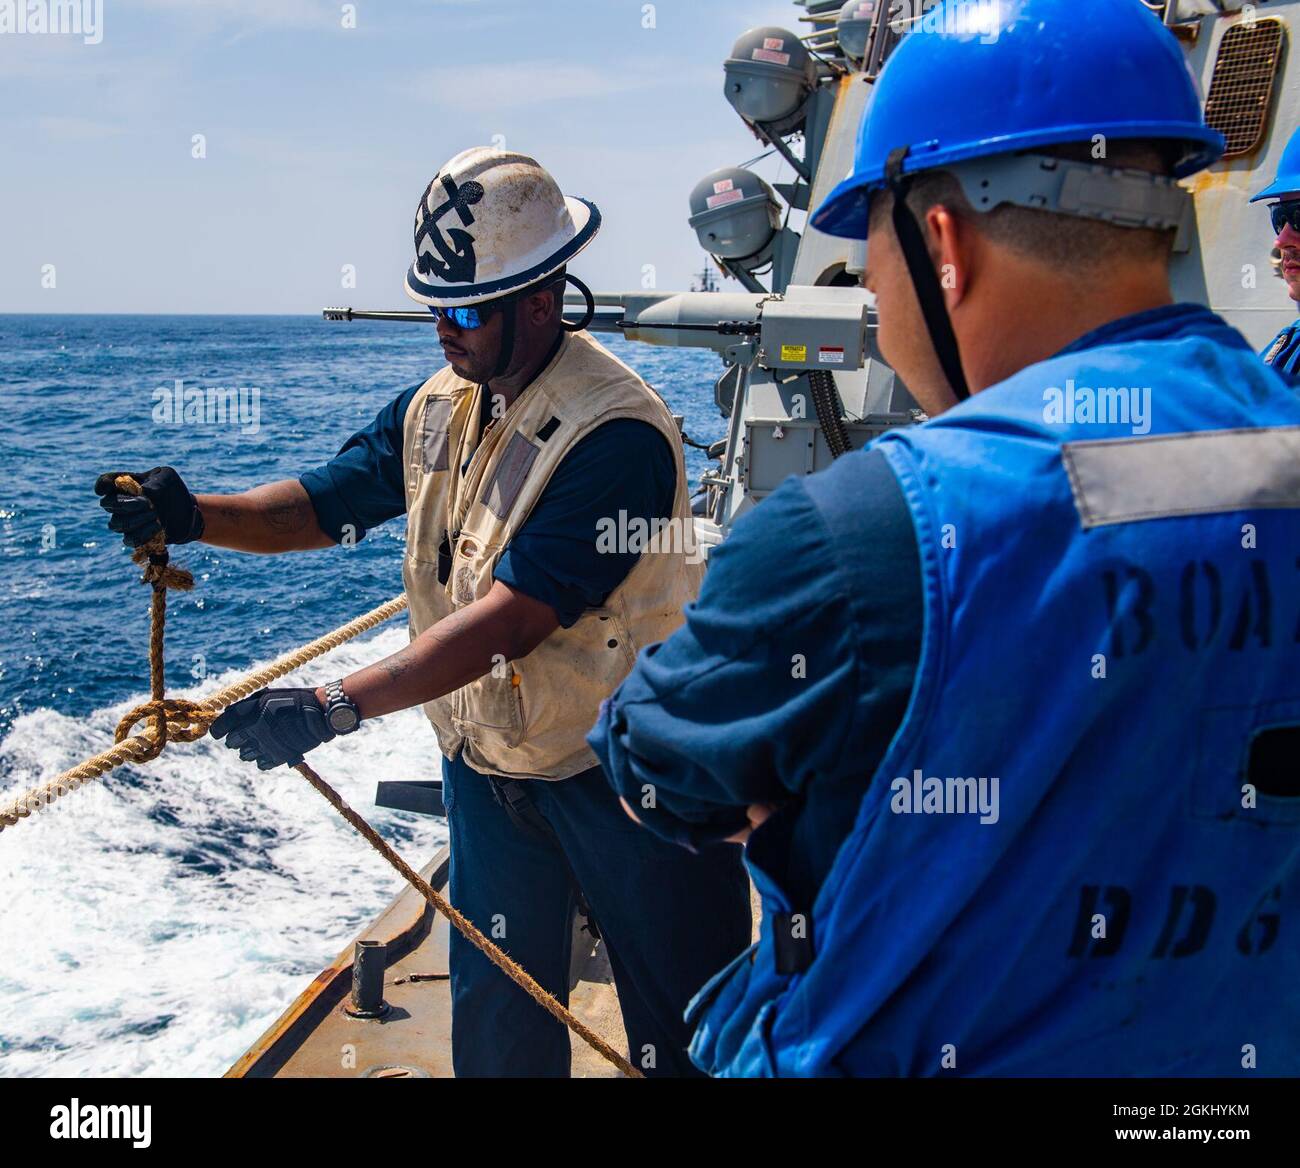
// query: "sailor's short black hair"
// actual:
[[1048, 236]]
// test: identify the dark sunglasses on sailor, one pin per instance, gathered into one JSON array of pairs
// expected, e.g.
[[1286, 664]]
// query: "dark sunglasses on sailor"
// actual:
[[464, 318], [476, 316], [1286, 215]]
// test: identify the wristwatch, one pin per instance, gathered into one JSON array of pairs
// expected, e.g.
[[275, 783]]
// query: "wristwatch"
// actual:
[[340, 710]]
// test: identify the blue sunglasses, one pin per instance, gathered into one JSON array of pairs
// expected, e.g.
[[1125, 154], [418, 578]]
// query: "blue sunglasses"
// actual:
[[477, 316], [465, 318]]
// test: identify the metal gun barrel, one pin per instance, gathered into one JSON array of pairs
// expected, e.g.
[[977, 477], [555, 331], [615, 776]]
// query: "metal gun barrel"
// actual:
[[603, 322], [698, 320], [412, 317]]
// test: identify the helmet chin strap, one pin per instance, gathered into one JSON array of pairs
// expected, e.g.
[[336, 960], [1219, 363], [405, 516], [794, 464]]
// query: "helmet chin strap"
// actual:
[[508, 323], [589, 315], [507, 353], [929, 292]]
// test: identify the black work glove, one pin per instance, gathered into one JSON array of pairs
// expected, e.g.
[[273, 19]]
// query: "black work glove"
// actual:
[[165, 504], [274, 727]]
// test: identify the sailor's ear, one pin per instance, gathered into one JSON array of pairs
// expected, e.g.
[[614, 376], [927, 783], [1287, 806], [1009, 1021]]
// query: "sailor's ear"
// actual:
[[951, 239], [541, 306]]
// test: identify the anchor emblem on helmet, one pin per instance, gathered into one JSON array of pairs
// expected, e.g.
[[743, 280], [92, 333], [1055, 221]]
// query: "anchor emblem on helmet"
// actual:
[[455, 262]]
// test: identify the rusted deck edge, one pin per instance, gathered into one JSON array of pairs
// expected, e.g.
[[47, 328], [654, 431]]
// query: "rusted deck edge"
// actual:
[[274, 1048]]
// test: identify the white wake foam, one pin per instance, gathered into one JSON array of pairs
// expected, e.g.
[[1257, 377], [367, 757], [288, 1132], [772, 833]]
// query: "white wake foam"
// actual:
[[157, 926]]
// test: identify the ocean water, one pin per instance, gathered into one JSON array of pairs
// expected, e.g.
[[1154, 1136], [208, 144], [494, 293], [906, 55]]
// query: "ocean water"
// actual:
[[156, 922]]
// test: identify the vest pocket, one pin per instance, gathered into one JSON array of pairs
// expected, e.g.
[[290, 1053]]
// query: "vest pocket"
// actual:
[[434, 434], [491, 709], [1237, 776]]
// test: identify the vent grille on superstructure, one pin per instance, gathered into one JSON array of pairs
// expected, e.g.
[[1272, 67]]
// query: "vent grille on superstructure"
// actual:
[[1241, 91]]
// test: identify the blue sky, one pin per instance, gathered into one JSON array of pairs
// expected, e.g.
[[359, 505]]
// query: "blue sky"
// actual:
[[320, 140]]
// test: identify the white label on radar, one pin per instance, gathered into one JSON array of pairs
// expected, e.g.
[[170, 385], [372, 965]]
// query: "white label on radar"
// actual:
[[830, 355], [770, 57], [723, 199]]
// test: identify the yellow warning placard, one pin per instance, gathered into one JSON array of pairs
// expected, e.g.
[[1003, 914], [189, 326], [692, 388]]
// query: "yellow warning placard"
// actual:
[[794, 352]]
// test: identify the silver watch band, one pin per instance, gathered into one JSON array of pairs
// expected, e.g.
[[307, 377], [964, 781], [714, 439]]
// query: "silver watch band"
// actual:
[[341, 711]]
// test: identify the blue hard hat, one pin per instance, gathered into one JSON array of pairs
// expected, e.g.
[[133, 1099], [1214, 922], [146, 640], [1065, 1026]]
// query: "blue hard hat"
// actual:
[[988, 77], [1288, 173]]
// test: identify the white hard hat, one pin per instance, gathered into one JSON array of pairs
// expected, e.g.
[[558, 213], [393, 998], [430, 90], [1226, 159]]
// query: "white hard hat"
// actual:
[[490, 223]]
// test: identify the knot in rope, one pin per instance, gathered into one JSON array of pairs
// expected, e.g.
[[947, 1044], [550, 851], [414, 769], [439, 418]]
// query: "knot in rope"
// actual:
[[170, 720], [157, 571]]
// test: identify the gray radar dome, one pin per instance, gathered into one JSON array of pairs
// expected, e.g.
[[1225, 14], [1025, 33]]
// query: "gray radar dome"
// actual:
[[769, 75], [853, 27], [735, 214]]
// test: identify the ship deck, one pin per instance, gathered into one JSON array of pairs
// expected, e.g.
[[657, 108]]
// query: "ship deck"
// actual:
[[315, 1037]]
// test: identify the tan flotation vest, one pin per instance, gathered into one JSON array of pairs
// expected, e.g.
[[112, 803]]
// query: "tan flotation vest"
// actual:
[[529, 718]]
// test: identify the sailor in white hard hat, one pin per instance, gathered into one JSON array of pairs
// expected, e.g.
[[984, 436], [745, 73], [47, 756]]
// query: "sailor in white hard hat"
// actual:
[[508, 464], [473, 260]]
